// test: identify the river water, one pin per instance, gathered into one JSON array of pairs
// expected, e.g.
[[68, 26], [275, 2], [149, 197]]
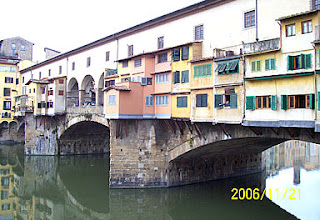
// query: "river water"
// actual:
[[76, 187]]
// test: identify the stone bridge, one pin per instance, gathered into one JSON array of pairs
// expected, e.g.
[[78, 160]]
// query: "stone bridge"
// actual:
[[159, 153]]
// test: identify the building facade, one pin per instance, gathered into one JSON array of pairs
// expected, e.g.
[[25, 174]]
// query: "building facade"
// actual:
[[16, 46]]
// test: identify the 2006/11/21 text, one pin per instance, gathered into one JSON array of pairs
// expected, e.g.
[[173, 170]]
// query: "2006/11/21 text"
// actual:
[[254, 194]]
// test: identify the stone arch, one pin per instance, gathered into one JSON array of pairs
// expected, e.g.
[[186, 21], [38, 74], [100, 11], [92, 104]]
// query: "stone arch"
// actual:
[[88, 93], [73, 93], [99, 90], [85, 134]]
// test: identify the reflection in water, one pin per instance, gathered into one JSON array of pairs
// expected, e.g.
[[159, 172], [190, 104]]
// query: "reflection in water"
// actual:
[[295, 166], [76, 187]]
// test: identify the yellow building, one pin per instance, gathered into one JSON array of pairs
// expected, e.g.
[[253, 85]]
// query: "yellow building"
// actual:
[[201, 85], [280, 82], [9, 86], [181, 69]]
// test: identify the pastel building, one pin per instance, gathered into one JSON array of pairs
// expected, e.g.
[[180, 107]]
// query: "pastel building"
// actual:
[[280, 78], [181, 69]]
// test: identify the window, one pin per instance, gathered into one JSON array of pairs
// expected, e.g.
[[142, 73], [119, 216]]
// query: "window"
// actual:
[[73, 65], [176, 77], [49, 72], [39, 75], [124, 63], [4, 194], [88, 61], [8, 80], [6, 115], [61, 81], [302, 61], [112, 100], [198, 32], [4, 181], [250, 19], [256, 66], [12, 69], [316, 4], [270, 64], [6, 91], [43, 90], [229, 99], [22, 47], [149, 101], [176, 54], [306, 27], [50, 92], [23, 79], [162, 100], [13, 46], [110, 83], [201, 100], [228, 67], [17, 81], [185, 53], [202, 71], [107, 55], [290, 30], [49, 104], [130, 50], [162, 78], [160, 42], [5, 206], [7, 105], [297, 101], [60, 69], [3, 69], [182, 102], [60, 92], [185, 76], [137, 62], [263, 102], [162, 58]]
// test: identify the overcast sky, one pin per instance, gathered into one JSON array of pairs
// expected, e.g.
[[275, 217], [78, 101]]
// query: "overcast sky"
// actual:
[[64, 25]]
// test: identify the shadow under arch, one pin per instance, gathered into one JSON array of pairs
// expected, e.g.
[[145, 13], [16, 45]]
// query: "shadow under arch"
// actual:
[[88, 91], [73, 93], [85, 137]]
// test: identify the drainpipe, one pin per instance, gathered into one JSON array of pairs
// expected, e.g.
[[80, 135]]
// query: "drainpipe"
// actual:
[[257, 38]]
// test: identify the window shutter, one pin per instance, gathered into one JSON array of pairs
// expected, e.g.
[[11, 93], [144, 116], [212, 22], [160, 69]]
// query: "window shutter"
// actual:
[[284, 102], [185, 53], [303, 61], [176, 54], [311, 99], [218, 99], [308, 61], [147, 101], [267, 64], [290, 62], [186, 76], [273, 102], [273, 64], [204, 100], [318, 101], [198, 100], [258, 65], [253, 66], [233, 100], [250, 105]]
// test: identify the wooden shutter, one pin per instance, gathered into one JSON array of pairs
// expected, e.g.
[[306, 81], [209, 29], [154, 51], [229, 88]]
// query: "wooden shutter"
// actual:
[[218, 99], [273, 102], [303, 61], [233, 100], [311, 100], [267, 64], [250, 103], [185, 53], [290, 62], [258, 63], [253, 66], [273, 64], [284, 102], [308, 61], [176, 54]]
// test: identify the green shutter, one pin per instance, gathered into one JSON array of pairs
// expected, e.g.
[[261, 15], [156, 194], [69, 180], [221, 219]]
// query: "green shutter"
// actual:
[[258, 65], [318, 100], [176, 77], [176, 54], [253, 66], [290, 62], [267, 64], [273, 64], [250, 103], [303, 61], [233, 100], [311, 100], [218, 99], [209, 67], [185, 53], [284, 102], [308, 61], [273, 102]]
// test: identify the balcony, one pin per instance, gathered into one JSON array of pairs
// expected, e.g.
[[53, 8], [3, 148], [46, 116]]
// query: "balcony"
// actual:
[[261, 46]]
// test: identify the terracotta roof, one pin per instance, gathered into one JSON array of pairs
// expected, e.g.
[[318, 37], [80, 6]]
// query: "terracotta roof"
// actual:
[[296, 15], [37, 81]]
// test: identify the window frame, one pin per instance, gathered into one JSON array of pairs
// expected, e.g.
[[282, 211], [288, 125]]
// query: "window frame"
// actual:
[[162, 100], [200, 103], [198, 32], [309, 26], [112, 100], [182, 101], [292, 31], [149, 101], [161, 42], [249, 19]]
